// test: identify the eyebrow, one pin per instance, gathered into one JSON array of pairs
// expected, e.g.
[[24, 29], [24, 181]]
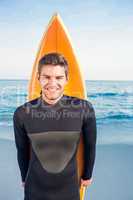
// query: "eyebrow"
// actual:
[[58, 76]]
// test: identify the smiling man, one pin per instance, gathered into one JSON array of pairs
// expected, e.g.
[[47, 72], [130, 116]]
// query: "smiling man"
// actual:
[[50, 128]]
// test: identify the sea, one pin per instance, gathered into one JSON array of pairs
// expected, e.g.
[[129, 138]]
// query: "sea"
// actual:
[[112, 101]]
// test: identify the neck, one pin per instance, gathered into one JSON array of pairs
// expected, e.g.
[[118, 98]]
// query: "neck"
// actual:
[[50, 101]]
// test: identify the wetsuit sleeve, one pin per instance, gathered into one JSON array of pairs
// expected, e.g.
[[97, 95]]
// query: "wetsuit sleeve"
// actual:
[[89, 131], [22, 145]]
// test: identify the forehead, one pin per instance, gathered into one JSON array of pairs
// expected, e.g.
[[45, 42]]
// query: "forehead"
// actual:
[[53, 70]]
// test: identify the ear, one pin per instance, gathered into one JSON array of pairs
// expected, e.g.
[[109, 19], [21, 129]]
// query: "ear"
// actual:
[[38, 77], [67, 78]]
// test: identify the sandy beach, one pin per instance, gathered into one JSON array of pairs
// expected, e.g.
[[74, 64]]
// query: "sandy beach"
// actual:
[[112, 175]]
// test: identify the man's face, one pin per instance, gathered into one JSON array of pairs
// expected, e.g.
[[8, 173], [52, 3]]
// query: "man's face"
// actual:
[[52, 80]]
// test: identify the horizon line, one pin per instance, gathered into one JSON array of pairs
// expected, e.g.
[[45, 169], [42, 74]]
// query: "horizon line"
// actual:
[[24, 79]]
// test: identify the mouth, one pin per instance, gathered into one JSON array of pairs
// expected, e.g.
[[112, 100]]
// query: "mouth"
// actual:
[[52, 89]]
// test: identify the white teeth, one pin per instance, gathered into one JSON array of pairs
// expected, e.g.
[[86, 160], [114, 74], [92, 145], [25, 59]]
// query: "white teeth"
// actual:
[[52, 89]]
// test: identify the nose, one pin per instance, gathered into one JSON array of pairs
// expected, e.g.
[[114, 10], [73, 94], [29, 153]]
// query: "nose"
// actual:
[[52, 81]]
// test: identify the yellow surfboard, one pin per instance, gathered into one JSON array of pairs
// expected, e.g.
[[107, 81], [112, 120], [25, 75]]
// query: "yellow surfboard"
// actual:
[[57, 39]]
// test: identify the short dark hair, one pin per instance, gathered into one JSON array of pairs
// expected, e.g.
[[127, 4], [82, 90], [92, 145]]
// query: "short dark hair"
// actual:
[[53, 59]]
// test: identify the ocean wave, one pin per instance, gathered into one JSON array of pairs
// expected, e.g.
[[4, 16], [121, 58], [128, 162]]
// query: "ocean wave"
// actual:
[[116, 116], [109, 94], [13, 96], [8, 123]]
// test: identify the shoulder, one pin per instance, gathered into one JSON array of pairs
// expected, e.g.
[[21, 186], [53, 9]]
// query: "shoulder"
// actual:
[[21, 110], [76, 100], [88, 105], [73, 99]]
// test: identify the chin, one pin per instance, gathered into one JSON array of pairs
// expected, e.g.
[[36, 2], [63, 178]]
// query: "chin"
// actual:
[[53, 96]]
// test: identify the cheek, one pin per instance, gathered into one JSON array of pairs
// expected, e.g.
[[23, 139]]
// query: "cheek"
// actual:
[[63, 83], [60, 84], [42, 83]]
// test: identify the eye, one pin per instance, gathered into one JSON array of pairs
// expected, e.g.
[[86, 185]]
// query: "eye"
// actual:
[[59, 77], [45, 77]]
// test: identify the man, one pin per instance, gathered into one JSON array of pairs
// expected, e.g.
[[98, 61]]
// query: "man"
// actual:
[[51, 125]]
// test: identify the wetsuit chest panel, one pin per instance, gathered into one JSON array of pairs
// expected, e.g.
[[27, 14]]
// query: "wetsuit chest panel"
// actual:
[[54, 149]]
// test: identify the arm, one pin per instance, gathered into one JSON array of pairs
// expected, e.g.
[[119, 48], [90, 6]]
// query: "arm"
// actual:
[[22, 145], [89, 137]]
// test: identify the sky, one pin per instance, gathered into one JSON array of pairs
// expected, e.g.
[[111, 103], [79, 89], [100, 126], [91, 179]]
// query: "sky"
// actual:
[[101, 32]]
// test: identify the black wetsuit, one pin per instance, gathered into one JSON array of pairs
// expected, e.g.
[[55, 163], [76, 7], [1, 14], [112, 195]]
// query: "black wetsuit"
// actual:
[[53, 133]]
